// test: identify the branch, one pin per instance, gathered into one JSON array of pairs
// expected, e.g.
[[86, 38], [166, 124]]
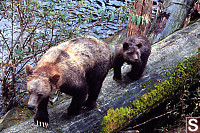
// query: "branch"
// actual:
[[154, 118], [181, 4], [28, 37], [5, 40]]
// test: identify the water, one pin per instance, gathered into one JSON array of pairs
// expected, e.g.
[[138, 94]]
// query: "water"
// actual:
[[70, 11]]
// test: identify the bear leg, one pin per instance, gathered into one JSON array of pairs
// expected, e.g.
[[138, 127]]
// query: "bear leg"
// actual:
[[134, 73], [77, 102], [42, 117], [144, 62], [94, 89], [117, 64], [95, 78]]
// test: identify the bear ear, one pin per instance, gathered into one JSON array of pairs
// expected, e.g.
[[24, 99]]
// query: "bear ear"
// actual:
[[139, 45], [29, 70], [125, 45], [54, 79]]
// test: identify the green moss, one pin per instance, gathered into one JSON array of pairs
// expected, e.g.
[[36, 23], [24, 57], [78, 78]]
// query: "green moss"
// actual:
[[98, 105], [144, 85], [126, 93], [149, 88], [59, 131], [111, 69], [118, 118], [29, 114], [167, 73]]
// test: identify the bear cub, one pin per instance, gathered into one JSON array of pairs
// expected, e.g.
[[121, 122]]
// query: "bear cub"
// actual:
[[135, 51], [76, 67]]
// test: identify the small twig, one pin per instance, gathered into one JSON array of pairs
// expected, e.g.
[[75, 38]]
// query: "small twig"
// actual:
[[11, 50], [23, 66], [21, 25], [154, 118], [28, 38], [5, 40], [198, 103], [181, 4], [24, 93]]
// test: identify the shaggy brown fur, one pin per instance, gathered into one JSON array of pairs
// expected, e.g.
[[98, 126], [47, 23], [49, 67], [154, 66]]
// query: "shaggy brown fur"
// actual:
[[135, 50], [76, 67]]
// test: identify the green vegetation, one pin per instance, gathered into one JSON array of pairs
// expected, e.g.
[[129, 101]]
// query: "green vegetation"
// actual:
[[144, 85], [149, 82], [185, 72], [167, 73]]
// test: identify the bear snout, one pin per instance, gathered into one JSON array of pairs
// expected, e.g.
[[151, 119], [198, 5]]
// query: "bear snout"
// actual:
[[31, 107], [138, 60]]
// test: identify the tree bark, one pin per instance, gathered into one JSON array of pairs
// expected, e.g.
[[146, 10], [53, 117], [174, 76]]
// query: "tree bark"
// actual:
[[142, 8]]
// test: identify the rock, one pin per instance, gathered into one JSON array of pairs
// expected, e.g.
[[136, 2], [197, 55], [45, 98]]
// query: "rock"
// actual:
[[169, 51], [15, 116]]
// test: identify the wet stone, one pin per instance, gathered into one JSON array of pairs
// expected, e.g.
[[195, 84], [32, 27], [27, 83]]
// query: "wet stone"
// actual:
[[115, 3]]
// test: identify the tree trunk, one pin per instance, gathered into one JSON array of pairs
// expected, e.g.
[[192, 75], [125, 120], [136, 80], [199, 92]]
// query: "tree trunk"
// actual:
[[142, 8]]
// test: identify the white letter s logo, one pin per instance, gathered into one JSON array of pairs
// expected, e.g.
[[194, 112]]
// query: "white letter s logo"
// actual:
[[192, 124]]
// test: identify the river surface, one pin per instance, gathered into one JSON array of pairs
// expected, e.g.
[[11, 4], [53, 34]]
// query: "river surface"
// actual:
[[71, 11]]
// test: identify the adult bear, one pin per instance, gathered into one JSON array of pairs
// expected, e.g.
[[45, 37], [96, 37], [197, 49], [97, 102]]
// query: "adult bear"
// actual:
[[135, 50], [76, 67]]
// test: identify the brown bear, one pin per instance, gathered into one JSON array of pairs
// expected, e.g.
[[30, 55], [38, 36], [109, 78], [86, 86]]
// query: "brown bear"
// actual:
[[76, 67], [135, 51]]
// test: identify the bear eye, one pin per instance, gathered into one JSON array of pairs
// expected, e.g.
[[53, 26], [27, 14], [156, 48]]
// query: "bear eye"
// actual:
[[125, 46], [139, 45]]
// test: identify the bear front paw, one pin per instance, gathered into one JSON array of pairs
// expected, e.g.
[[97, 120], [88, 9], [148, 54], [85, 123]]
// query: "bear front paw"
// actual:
[[133, 77], [73, 111], [130, 75], [117, 78], [89, 105], [42, 119]]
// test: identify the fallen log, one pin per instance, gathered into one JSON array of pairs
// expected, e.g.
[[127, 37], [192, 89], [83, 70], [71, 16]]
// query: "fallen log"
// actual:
[[165, 54], [169, 18]]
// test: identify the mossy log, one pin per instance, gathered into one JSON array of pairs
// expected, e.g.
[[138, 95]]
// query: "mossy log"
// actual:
[[165, 54]]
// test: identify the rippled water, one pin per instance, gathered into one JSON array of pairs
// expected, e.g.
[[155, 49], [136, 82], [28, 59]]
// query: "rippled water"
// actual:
[[71, 10], [88, 5]]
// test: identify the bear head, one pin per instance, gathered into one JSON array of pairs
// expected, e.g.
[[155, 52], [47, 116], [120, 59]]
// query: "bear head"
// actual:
[[39, 86], [131, 52]]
